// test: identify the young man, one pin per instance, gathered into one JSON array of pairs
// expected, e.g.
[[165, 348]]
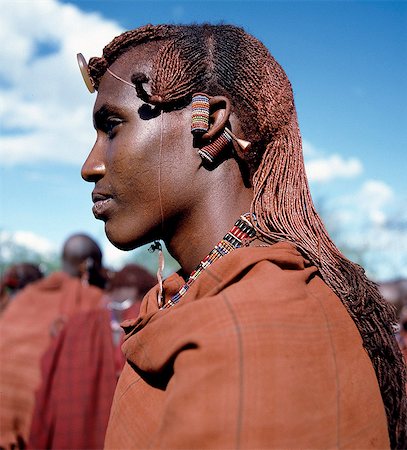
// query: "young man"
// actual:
[[269, 337]]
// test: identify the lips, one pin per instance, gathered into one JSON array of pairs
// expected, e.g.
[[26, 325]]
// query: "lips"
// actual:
[[101, 205]]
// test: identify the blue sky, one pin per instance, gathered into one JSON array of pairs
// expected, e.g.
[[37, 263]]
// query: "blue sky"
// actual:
[[347, 64]]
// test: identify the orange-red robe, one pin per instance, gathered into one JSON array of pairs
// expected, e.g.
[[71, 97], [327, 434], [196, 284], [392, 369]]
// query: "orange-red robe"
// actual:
[[79, 375], [26, 329], [258, 354]]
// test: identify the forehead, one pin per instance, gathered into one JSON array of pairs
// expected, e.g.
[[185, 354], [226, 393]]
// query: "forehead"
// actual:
[[137, 59]]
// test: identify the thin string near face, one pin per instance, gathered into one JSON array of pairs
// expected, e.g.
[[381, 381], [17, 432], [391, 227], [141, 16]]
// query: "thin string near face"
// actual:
[[161, 263], [159, 170]]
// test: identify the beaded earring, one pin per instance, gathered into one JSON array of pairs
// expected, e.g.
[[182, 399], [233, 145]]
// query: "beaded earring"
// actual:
[[213, 149], [200, 114], [200, 125]]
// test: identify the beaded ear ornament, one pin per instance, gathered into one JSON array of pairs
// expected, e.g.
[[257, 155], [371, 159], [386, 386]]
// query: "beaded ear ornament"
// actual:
[[200, 125]]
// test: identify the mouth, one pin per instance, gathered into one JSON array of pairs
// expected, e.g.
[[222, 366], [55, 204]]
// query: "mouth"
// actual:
[[101, 203]]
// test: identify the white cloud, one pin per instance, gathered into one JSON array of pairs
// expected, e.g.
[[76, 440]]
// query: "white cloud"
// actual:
[[370, 206], [331, 167], [112, 256], [33, 242], [361, 225], [308, 149], [373, 200], [376, 193], [28, 240], [45, 108]]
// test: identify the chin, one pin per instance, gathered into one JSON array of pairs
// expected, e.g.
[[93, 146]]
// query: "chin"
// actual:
[[123, 241]]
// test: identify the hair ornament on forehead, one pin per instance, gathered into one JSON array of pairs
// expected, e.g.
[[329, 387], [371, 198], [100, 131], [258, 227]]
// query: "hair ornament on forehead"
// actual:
[[83, 66], [120, 78], [137, 81]]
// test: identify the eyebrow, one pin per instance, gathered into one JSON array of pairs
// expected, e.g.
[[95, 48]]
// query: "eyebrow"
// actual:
[[100, 116]]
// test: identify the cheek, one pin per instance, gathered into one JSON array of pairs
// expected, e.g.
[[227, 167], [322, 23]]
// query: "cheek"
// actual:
[[133, 165], [181, 177]]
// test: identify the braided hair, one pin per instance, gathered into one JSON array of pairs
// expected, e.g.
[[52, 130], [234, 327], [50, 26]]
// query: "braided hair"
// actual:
[[224, 60]]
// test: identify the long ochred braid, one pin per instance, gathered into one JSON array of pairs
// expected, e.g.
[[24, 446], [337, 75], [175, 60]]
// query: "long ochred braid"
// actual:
[[224, 60]]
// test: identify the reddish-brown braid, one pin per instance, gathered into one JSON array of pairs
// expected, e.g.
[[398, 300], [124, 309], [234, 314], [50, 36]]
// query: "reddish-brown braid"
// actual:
[[224, 60]]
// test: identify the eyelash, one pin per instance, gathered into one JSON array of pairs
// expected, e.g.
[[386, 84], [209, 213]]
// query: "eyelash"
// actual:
[[110, 125]]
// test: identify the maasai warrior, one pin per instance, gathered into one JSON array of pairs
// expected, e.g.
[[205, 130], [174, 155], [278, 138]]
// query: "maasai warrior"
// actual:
[[15, 278], [28, 325], [81, 367], [274, 339]]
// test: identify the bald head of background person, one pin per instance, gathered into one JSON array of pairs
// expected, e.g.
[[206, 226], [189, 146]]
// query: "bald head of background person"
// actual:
[[32, 320], [82, 258]]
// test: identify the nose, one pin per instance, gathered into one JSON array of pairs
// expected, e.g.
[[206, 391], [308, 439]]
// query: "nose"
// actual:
[[94, 167]]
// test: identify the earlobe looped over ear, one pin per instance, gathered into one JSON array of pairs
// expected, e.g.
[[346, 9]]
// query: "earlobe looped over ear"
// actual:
[[212, 150], [210, 115], [209, 118]]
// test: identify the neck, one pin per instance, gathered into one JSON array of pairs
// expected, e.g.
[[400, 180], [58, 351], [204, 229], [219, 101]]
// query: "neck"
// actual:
[[199, 229]]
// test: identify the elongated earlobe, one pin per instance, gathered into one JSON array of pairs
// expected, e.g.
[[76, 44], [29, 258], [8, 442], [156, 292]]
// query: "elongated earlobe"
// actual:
[[213, 135], [200, 127], [211, 151]]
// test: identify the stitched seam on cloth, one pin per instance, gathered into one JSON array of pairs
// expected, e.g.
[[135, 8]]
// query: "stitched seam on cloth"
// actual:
[[328, 327], [240, 365]]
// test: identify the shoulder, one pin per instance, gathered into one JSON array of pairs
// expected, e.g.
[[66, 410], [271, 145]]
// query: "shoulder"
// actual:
[[270, 274]]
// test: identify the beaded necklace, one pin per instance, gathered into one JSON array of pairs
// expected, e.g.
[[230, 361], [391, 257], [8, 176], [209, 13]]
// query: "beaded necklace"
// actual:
[[235, 238]]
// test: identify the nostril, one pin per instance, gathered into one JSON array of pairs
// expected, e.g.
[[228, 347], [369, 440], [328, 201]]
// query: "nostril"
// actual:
[[85, 174], [92, 174], [93, 168]]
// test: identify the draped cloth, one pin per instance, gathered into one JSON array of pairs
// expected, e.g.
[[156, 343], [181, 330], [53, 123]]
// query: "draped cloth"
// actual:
[[27, 328], [79, 376], [259, 353]]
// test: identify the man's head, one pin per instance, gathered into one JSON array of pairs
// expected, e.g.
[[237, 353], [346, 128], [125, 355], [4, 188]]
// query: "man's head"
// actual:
[[82, 258], [164, 66], [132, 281], [218, 60], [19, 275]]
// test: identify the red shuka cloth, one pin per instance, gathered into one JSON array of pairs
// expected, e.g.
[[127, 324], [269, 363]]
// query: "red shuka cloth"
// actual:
[[259, 353], [26, 328], [80, 372]]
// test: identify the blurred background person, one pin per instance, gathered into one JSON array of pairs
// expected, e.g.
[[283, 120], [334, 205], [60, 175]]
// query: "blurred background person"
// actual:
[[81, 368], [32, 319], [402, 335], [395, 292], [15, 278]]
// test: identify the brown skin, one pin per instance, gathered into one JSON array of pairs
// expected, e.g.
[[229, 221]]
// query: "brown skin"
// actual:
[[198, 205]]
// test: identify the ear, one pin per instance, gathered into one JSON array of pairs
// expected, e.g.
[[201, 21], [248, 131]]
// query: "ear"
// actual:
[[85, 267], [219, 114]]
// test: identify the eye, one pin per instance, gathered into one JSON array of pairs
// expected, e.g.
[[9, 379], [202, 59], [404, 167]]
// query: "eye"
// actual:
[[110, 126]]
